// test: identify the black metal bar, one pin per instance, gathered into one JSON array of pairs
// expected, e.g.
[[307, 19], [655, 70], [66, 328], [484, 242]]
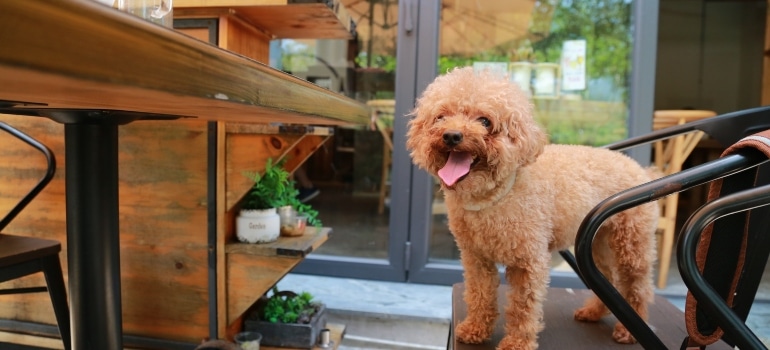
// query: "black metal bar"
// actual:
[[708, 299], [212, 229], [93, 250], [645, 193], [51, 162], [570, 259], [23, 290], [725, 128]]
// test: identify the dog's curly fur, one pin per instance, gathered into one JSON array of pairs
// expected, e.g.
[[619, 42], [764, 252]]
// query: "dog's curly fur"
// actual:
[[522, 200]]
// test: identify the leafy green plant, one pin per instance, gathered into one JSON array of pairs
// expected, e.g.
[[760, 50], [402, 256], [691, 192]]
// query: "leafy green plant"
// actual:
[[274, 188], [270, 188], [289, 307]]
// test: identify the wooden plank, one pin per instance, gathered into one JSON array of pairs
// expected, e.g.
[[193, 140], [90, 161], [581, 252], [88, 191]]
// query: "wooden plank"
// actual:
[[563, 332], [301, 21], [299, 246], [64, 54], [163, 223], [249, 277], [242, 37], [304, 20], [225, 223], [252, 269], [181, 4]]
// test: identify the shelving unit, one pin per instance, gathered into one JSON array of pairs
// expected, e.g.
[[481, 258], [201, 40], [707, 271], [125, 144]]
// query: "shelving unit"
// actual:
[[215, 115]]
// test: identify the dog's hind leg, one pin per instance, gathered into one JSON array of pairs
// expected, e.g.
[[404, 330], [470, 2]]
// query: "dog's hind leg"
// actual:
[[481, 282], [633, 243], [594, 309]]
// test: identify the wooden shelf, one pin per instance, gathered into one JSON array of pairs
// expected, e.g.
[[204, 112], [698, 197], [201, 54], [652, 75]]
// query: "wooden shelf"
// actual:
[[252, 269], [294, 247], [278, 129], [279, 19]]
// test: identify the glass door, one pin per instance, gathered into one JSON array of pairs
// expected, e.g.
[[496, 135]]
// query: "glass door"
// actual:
[[579, 61], [588, 66], [356, 171]]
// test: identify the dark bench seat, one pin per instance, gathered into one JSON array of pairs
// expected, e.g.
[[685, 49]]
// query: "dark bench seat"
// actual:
[[563, 332]]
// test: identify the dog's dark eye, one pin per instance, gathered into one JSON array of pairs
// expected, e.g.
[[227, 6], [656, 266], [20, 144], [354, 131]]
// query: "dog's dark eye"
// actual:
[[485, 122], [441, 117]]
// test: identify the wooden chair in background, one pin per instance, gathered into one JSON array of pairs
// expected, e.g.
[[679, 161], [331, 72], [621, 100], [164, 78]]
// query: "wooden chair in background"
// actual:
[[670, 154]]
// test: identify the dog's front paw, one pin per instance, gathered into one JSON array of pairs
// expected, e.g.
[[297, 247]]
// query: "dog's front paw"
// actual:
[[472, 332], [622, 335], [513, 343]]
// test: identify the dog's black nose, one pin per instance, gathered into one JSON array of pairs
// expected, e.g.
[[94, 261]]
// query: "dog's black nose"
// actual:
[[453, 137]]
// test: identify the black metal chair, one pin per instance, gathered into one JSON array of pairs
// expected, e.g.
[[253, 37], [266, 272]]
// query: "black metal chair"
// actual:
[[21, 256], [727, 129], [713, 311]]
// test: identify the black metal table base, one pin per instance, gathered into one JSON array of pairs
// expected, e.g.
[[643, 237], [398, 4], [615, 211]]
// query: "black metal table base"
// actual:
[[93, 241]]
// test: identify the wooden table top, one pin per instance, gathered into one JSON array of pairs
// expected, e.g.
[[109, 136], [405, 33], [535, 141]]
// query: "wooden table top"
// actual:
[[79, 54]]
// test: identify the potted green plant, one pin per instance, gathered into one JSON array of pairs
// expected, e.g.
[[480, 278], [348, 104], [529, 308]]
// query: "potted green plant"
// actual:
[[287, 319], [258, 221]]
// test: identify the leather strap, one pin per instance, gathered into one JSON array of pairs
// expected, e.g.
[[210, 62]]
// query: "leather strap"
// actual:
[[718, 240]]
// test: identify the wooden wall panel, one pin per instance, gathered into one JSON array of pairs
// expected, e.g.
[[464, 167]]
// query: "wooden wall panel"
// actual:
[[163, 222], [239, 36]]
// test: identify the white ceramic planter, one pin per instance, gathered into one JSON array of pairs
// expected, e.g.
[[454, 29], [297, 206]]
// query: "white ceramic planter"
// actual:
[[258, 226]]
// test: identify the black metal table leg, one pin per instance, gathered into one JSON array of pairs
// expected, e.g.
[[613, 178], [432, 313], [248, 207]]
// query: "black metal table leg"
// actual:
[[93, 233], [93, 242]]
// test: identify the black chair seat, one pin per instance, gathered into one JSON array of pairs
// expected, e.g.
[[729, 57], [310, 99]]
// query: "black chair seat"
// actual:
[[17, 249]]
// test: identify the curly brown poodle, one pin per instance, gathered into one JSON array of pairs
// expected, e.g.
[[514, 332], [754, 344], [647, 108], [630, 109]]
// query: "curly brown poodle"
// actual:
[[513, 200]]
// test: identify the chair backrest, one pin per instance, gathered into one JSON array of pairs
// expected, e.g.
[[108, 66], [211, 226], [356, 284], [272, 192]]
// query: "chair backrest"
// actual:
[[726, 129], [44, 180], [721, 265]]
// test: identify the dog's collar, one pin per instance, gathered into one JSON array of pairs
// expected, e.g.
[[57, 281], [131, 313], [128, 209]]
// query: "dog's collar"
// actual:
[[495, 198]]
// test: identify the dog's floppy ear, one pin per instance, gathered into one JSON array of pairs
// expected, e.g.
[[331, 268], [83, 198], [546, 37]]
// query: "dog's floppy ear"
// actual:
[[526, 135]]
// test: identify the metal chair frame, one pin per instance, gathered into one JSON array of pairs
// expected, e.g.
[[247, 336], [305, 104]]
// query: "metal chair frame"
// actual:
[[726, 129], [37, 255]]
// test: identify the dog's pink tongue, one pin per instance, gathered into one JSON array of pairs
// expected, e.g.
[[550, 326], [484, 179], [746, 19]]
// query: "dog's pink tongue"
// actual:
[[458, 164]]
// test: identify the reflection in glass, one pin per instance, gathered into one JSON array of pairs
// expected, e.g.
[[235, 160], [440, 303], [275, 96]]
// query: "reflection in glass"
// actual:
[[352, 169]]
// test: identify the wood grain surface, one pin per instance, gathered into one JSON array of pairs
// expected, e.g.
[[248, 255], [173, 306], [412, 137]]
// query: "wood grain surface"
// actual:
[[80, 54]]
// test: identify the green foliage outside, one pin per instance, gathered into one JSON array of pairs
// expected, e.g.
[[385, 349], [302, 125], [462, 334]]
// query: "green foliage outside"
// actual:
[[606, 27], [283, 307], [274, 188]]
